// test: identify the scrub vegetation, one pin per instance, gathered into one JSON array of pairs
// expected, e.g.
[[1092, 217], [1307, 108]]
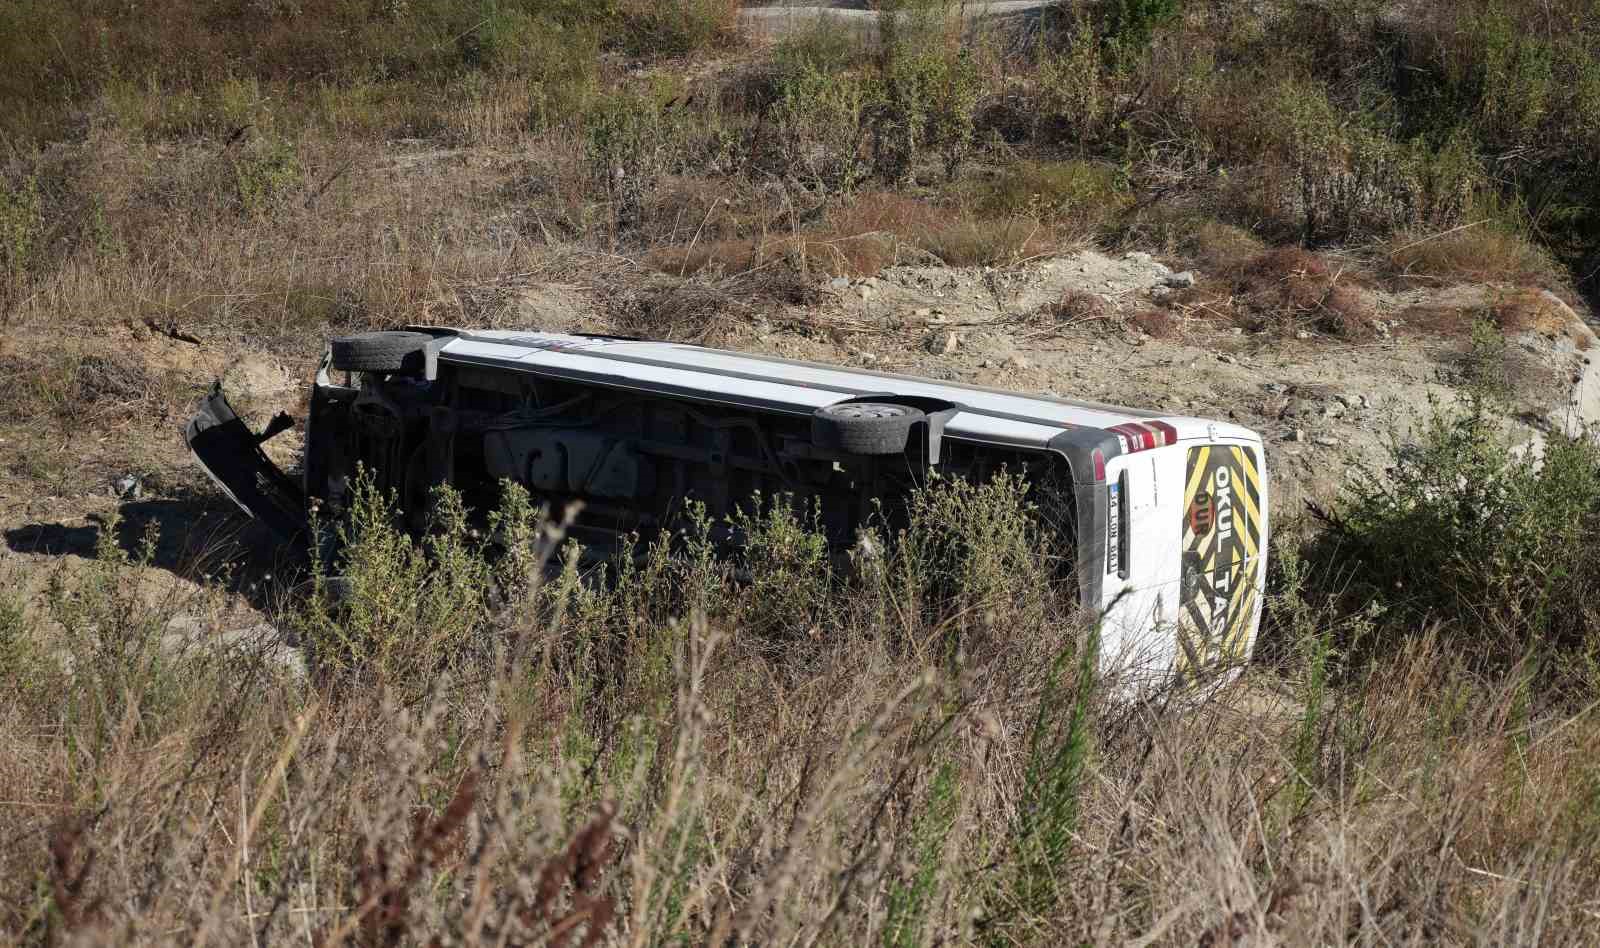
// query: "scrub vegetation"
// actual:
[[500, 741], [907, 747]]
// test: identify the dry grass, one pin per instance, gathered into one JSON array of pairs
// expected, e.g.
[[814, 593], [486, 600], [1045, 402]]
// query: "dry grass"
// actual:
[[861, 236], [358, 237], [1077, 306], [715, 792], [1156, 323], [1510, 310], [1481, 254]]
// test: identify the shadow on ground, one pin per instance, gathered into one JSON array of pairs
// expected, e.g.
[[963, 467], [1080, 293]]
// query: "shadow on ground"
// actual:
[[195, 539]]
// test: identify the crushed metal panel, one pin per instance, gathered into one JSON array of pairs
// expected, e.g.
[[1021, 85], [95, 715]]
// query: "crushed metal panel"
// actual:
[[231, 455]]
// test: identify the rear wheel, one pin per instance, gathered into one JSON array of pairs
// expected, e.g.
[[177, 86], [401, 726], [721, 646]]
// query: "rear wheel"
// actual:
[[379, 352], [868, 428]]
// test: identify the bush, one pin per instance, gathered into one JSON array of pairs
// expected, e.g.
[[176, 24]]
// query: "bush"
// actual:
[[929, 102], [631, 140], [21, 226], [1080, 194], [400, 610], [1466, 533], [1483, 254], [784, 554], [264, 173], [1130, 24], [1355, 182], [818, 45], [1287, 290], [1076, 95], [675, 27], [822, 123], [976, 556]]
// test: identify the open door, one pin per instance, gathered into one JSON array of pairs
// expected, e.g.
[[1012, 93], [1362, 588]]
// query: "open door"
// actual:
[[231, 454]]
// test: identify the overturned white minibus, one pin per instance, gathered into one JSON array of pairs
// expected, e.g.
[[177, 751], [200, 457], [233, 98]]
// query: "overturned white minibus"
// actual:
[[1167, 515]]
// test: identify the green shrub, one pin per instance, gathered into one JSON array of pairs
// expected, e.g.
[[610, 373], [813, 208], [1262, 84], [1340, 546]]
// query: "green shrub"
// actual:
[[1076, 94], [822, 125], [1130, 24], [21, 227], [558, 58], [264, 172], [397, 609], [785, 555], [906, 26], [975, 556], [1059, 752], [1520, 79], [1485, 369], [910, 897], [122, 665], [1354, 181], [1464, 530], [818, 45], [929, 102]]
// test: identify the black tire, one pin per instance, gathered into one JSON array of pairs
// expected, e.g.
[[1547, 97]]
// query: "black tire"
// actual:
[[379, 352], [869, 428]]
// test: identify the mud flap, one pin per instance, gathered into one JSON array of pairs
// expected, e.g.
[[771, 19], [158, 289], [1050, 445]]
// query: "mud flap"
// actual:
[[231, 454]]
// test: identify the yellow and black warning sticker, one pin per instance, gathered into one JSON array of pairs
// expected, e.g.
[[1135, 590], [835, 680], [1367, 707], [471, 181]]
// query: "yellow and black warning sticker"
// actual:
[[1221, 555]]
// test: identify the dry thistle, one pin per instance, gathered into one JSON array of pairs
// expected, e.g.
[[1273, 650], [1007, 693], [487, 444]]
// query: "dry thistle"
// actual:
[[66, 885], [579, 866]]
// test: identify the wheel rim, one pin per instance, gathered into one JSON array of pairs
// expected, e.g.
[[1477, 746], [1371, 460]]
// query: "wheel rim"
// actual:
[[867, 410]]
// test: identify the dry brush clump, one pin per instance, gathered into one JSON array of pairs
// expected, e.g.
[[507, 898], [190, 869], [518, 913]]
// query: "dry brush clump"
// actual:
[[1285, 291], [1475, 254]]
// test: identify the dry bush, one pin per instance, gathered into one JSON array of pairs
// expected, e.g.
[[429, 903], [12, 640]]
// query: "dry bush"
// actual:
[[675, 27], [1156, 323], [1509, 311], [1073, 196], [969, 241], [1209, 244], [360, 238], [1484, 254], [858, 237], [788, 267], [1076, 306], [1286, 290], [676, 310], [74, 387], [863, 235]]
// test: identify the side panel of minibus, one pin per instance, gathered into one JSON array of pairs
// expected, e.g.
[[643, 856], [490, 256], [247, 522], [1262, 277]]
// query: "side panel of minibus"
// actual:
[[1183, 589]]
